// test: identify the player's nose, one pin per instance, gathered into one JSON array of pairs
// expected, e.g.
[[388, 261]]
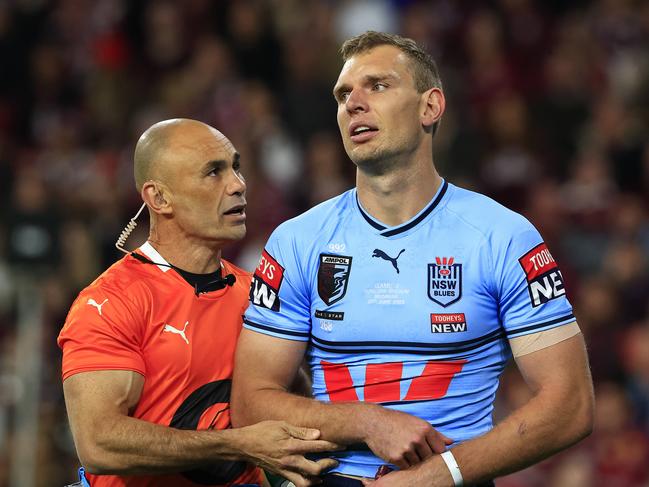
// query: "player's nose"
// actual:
[[356, 101]]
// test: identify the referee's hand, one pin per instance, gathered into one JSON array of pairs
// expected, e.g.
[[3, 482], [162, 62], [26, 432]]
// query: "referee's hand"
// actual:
[[280, 447]]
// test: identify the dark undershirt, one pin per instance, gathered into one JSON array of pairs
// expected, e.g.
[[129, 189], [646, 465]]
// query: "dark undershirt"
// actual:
[[202, 283]]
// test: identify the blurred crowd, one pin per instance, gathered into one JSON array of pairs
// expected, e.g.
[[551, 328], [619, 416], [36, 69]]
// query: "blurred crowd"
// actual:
[[547, 112]]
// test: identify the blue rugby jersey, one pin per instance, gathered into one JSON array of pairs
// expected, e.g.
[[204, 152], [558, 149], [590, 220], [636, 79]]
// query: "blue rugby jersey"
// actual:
[[414, 317]]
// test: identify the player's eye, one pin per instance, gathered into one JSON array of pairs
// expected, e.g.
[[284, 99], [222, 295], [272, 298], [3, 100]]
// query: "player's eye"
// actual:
[[343, 96], [379, 87]]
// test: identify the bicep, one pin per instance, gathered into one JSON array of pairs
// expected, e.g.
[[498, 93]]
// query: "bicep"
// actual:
[[562, 366], [560, 380], [92, 398], [266, 362]]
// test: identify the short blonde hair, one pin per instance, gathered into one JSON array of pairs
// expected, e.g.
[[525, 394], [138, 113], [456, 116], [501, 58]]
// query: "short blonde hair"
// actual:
[[424, 68]]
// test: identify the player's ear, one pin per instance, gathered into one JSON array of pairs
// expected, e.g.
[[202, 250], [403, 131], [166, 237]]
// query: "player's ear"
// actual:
[[157, 197], [433, 104]]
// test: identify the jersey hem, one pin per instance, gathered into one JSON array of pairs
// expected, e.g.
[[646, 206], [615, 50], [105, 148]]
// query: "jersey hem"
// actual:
[[546, 325], [270, 330], [93, 368]]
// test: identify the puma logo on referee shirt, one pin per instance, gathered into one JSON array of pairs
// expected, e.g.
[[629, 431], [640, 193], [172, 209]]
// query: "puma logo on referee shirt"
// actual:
[[384, 256], [172, 329], [94, 303]]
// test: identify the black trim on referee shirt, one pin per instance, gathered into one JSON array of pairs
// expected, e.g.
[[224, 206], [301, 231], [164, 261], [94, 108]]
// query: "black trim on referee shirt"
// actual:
[[395, 231]]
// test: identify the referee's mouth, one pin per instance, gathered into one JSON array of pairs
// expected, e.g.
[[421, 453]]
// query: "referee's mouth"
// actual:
[[237, 212]]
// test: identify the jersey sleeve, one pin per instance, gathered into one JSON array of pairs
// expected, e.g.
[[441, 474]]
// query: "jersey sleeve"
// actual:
[[529, 284], [279, 298], [102, 332]]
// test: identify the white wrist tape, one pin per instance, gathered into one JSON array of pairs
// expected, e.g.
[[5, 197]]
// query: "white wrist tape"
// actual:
[[453, 467]]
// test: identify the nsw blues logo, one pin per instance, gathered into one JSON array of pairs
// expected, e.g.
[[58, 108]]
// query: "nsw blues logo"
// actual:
[[333, 276], [445, 281]]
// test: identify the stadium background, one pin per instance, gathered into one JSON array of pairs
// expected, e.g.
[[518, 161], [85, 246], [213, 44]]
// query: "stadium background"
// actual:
[[548, 112]]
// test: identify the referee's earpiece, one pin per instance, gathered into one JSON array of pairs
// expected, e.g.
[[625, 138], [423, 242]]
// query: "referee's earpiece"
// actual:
[[130, 226], [155, 195], [159, 198]]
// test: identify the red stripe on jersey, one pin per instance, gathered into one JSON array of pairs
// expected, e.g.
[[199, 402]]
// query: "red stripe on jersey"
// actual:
[[382, 382], [434, 380], [338, 381]]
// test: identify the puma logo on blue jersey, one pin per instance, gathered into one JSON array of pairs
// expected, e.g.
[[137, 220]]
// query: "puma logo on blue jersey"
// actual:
[[384, 256]]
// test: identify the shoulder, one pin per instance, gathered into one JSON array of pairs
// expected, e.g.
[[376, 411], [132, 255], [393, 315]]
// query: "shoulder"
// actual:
[[124, 282], [231, 268], [116, 303], [486, 216], [242, 276], [322, 218]]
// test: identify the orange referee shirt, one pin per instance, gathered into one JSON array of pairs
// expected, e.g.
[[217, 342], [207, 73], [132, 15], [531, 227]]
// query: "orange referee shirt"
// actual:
[[147, 318]]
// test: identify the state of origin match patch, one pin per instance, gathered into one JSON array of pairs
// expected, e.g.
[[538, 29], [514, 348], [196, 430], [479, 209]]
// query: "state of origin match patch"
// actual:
[[333, 276], [544, 279]]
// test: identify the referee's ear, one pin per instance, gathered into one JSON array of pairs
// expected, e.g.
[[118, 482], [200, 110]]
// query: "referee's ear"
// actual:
[[156, 197]]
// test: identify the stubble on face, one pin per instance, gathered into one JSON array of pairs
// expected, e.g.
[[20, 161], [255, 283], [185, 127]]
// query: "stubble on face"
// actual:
[[378, 160]]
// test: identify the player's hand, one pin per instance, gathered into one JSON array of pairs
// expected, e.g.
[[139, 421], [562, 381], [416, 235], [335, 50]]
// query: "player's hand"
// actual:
[[402, 439], [413, 477], [280, 448], [398, 478]]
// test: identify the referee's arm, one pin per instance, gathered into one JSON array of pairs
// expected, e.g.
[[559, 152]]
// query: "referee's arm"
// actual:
[[109, 441]]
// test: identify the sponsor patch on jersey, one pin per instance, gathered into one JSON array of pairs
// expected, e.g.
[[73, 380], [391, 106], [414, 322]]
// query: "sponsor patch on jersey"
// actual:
[[330, 315], [445, 281], [333, 276], [266, 281], [544, 279], [447, 322]]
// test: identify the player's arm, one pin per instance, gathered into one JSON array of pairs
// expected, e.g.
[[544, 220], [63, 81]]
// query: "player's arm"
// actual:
[[559, 414], [265, 368], [109, 441], [302, 383]]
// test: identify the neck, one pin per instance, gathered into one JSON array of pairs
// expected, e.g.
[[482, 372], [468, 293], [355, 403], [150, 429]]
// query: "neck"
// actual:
[[396, 196], [185, 253]]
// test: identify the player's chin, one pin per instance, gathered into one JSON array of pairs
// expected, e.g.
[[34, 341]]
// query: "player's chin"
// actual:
[[368, 159]]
